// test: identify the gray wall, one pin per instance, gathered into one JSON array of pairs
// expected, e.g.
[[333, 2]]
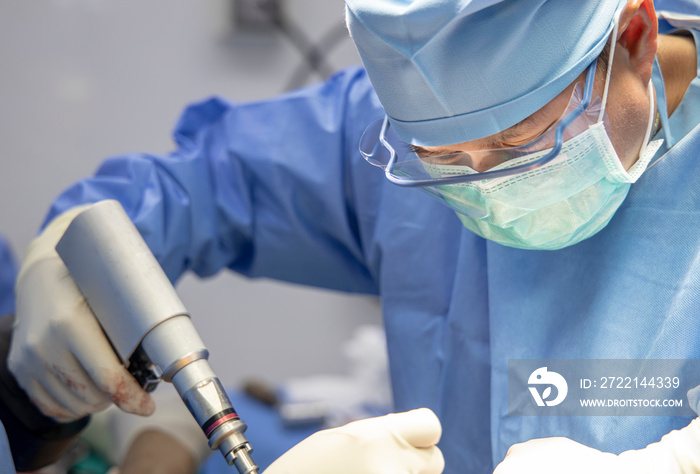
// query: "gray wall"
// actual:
[[81, 80]]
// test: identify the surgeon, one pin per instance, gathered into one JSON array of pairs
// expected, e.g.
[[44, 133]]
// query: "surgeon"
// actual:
[[558, 145]]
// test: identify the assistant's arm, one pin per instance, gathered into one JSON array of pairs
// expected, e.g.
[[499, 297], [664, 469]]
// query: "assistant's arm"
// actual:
[[267, 189]]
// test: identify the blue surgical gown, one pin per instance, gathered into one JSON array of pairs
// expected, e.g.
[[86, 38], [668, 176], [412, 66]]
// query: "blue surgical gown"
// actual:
[[278, 189], [6, 464], [8, 272]]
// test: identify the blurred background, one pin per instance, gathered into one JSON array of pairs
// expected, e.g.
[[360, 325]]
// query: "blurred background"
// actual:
[[81, 80]]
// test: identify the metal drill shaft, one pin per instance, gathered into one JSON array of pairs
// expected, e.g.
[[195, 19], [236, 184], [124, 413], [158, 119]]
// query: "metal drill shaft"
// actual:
[[206, 399], [243, 462]]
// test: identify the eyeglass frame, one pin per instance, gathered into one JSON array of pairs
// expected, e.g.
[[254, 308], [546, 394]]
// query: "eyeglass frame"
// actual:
[[559, 134]]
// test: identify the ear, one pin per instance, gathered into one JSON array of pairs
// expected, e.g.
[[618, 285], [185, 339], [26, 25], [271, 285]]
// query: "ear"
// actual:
[[638, 33]]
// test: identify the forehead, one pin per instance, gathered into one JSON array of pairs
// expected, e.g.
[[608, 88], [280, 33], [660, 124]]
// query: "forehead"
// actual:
[[533, 125]]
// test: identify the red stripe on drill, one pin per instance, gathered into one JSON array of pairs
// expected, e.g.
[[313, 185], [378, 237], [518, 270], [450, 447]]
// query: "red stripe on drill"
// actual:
[[218, 422]]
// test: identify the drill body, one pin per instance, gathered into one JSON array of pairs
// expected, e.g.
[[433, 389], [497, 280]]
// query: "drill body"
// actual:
[[147, 323]]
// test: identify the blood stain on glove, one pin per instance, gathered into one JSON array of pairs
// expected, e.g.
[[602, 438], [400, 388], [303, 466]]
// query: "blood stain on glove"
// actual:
[[124, 395], [65, 379]]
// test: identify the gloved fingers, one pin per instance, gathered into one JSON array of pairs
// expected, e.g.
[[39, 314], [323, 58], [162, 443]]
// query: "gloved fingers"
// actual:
[[50, 392], [694, 398], [366, 446], [48, 405], [125, 392], [528, 452], [524, 456], [426, 461], [94, 352], [420, 428], [435, 461], [64, 381], [75, 391], [556, 455], [119, 385]]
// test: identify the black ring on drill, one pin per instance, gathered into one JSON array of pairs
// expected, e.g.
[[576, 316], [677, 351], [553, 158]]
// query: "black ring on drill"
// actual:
[[217, 417]]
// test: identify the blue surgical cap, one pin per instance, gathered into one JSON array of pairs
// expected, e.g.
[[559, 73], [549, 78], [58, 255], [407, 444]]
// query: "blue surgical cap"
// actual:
[[450, 71]]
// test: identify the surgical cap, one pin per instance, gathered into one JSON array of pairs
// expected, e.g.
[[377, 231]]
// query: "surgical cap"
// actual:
[[450, 71]]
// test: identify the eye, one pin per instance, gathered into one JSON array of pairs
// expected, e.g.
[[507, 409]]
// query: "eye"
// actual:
[[454, 159], [423, 153]]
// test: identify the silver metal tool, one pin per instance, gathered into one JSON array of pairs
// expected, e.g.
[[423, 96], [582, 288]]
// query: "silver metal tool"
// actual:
[[147, 323]]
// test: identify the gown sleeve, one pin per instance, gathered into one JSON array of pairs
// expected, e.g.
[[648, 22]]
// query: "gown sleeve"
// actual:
[[268, 189]]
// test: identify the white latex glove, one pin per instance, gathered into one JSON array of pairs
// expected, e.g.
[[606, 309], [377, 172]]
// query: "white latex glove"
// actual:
[[678, 452], [400, 443], [59, 354]]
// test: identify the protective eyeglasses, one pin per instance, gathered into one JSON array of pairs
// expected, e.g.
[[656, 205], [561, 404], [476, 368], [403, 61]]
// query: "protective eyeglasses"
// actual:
[[381, 147]]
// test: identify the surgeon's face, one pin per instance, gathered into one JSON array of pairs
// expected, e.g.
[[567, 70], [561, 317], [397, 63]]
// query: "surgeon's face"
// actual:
[[627, 108]]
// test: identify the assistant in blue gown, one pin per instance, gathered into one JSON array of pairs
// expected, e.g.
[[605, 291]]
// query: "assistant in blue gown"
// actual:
[[278, 189], [8, 272]]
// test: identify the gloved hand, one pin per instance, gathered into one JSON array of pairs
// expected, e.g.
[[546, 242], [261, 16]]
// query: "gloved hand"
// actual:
[[678, 452], [398, 443], [59, 354]]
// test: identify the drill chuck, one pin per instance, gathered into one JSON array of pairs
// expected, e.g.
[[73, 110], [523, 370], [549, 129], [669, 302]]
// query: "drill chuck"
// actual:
[[206, 399]]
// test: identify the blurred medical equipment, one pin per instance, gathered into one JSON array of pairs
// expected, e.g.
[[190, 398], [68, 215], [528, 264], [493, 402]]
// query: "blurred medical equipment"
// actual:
[[269, 15], [364, 392], [147, 324], [332, 400]]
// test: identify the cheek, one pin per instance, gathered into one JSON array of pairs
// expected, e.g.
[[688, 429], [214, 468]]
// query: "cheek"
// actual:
[[629, 120]]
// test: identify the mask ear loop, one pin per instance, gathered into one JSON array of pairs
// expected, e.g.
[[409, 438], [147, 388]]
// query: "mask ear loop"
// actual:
[[662, 107], [616, 28], [649, 148]]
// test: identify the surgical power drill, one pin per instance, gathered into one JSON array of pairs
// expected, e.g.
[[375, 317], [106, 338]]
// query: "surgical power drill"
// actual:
[[147, 323]]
